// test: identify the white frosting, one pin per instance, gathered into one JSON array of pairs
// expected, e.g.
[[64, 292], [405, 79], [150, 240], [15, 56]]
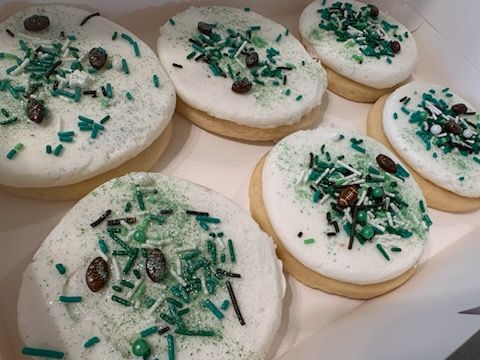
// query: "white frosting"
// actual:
[[44, 322], [133, 125], [373, 72], [446, 170], [290, 209], [264, 106]]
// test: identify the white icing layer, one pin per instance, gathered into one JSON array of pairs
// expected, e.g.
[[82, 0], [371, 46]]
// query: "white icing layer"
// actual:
[[373, 72], [133, 125], [264, 106], [452, 171], [45, 322], [290, 208]]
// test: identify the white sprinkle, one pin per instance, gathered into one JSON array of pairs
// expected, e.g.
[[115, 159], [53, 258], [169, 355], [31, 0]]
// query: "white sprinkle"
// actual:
[[370, 214], [325, 198], [379, 177], [348, 167], [184, 249], [179, 266], [135, 288], [378, 226], [240, 49], [20, 68], [155, 305], [102, 255], [34, 40], [126, 224], [356, 182], [177, 277], [363, 195], [324, 173], [136, 306], [389, 194], [204, 285], [389, 219], [148, 246], [394, 207], [116, 270], [66, 44]]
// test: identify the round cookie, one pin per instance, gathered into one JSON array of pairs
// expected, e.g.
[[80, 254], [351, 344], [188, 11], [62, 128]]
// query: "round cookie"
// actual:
[[239, 74], [153, 265], [444, 164], [366, 53], [309, 209], [82, 100]]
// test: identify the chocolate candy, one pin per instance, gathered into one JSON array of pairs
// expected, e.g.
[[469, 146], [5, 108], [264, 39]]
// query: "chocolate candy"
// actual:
[[156, 265], [386, 163], [241, 86], [97, 274], [36, 23], [459, 108], [347, 197], [395, 46], [204, 28], [35, 110], [97, 58], [374, 11], [252, 59], [452, 127]]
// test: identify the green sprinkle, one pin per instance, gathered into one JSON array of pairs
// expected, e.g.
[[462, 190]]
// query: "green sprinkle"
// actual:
[[103, 246], [395, 115], [299, 97], [149, 331], [19, 147], [128, 206], [231, 250], [129, 96], [85, 119], [48, 149], [136, 49], [115, 35], [309, 241], [389, 61], [90, 342], [396, 249], [225, 305], [170, 347], [287, 32], [211, 306], [405, 110], [9, 121], [11, 154], [434, 155], [127, 284], [357, 58], [120, 300], [422, 206], [279, 37], [125, 67], [207, 219], [171, 21], [60, 268], [117, 288], [288, 92], [127, 37], [246, 9], [191, 55], [130, 262], [108, 90], [358, 148], [183, 331], [461, 178], [139, 197], [69, 299], [5, 112], [476, 159], [46, 353], [382, 250], [156, 81], [58, 150]]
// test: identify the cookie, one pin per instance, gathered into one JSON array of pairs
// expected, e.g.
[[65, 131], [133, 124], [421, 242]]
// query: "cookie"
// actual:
[[154, 266], [239, 74], [82, 100]]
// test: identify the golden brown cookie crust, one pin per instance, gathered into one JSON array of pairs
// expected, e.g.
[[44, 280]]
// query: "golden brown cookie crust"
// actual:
[[300, 271], [230, 129], [436, 197], [142, 162]]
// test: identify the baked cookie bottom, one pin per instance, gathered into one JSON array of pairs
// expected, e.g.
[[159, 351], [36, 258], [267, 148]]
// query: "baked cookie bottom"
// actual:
[[232, 130], [142, 162], [300, 271], [352, 90], [436, 197]]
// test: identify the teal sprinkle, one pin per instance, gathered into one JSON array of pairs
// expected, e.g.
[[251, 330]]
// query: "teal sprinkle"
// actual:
[[405, 110], [71, 37], [288, 92], [128, 206], [395, 115], [136, 49], [422, 206], [170, 347], [171, 21], [299, 97], [103, 246], [225, 305], [11, 154], [308, 241], [46, 353], [279, 37], [69, 299], [48, 149], [60, 268], [434, 155], [85, 119], [105, 119], [246, 9], [476, 159], [156, 81], [127, 37], [231, 250], [90, 342], [383, 252], [149, 331], [358, 148], [211, 306], [9, 121], [129, 96], [115, 35], [389, 61], [191, 55], [58, 150], [287, 32], [125, 67], [207, 219], [108, 90], [461, 178]]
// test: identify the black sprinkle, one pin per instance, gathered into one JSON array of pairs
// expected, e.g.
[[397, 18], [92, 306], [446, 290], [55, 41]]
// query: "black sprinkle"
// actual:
[[177, 65], [199, 57], [163, 330], [199, 213], [284, 79], [101, 218], [330, 234], [300, 234], [193, 41], [62, 35], [335, 225], [55, 85], [84, 21], [313, 188], [352, 230], [137, 273], [310, 165], [329, 217], [104, 91], [403, 99], [228, 273], [90, 92], [129, 220], [234, 302], [470, 123], [470, 113], [284, 68], [166, 212], [52, 69], [9, 32]]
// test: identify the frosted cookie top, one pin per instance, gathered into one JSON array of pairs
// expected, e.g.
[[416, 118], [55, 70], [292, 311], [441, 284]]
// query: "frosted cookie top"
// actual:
[[237, 65], [359, 42], [344, 206], [79, 96], [148, 262], [437, 133]]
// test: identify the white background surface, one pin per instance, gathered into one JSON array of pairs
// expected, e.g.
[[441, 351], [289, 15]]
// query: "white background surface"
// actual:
[[451, 59]]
